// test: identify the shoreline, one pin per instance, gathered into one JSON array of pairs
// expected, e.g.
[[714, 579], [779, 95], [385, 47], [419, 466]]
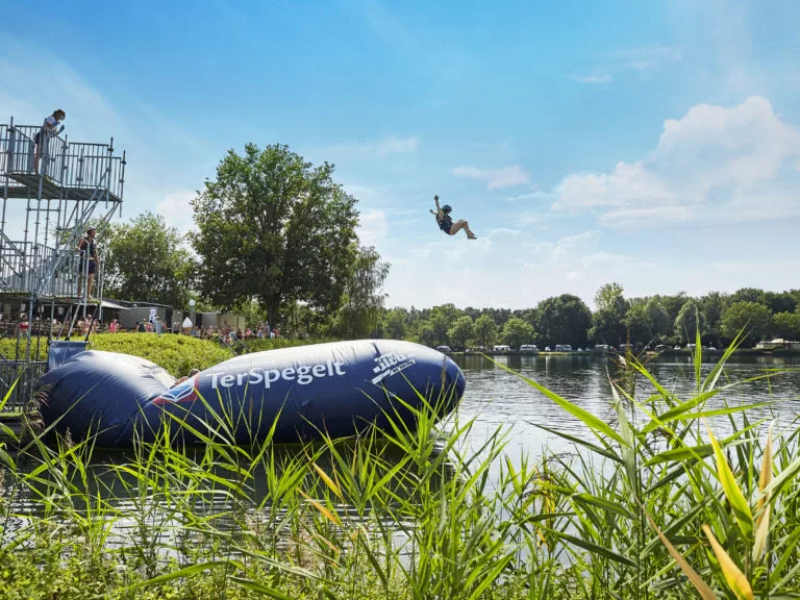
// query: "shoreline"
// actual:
[[650, 353]]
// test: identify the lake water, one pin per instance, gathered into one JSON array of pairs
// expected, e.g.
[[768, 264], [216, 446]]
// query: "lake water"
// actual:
[[495, 397]]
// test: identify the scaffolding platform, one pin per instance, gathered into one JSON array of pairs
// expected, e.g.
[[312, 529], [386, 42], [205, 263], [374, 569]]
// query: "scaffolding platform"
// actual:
[[52, 190]]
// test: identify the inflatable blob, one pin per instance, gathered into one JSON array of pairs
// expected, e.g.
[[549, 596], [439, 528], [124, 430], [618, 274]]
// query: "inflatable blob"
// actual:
[[332, 389]]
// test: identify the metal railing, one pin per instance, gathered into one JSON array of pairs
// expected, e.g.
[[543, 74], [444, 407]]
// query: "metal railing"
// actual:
[[77, 167], [66, 185], [26, 267], [25, 374]]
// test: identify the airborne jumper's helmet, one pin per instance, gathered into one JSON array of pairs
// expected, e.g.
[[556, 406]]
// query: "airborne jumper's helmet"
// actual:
[[447, 208]]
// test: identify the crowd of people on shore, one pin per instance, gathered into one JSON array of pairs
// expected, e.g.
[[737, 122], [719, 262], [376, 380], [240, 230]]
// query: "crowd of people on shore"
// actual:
[[226, 332], [82, 326]]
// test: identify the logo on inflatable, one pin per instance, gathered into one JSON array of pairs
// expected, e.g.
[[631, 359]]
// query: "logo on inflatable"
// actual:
[[185, 392], [391, 364], [302, 375]]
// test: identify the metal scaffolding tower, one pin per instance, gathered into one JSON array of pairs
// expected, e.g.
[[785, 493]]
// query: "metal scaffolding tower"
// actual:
[[51, 192]]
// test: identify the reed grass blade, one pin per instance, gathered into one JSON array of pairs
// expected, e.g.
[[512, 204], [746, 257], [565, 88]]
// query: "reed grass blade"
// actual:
[[763, 506], [259, 588], [701, 586], [335, 488], [736, 580], [740, 506]]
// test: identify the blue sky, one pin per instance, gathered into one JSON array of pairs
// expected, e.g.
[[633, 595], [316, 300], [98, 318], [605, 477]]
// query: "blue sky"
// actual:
[[656, 144]]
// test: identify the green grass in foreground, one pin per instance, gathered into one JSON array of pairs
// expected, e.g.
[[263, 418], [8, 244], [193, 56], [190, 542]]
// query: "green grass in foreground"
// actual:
[[653, 506]]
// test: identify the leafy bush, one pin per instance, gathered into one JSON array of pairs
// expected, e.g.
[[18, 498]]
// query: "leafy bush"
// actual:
[[178, 354], [261, 344]]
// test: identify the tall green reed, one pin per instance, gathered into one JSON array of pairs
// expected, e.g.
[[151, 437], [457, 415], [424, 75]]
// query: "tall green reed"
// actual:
[[648, 507]]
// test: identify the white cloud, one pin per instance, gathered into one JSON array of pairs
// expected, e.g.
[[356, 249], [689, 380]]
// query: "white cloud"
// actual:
[[714, 164], [595, 78], [635, 60], [537, 195], [381, 148], [394, 145], [372, 228], [504, 177], [177, 210]]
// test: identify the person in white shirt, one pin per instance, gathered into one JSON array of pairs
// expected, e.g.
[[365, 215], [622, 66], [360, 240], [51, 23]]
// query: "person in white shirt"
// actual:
[[50, 128]]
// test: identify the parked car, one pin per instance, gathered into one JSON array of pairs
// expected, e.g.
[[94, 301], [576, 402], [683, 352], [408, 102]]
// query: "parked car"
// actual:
[[443, 349], [528, 348], [563, 348], [547, 349], [502, 348]]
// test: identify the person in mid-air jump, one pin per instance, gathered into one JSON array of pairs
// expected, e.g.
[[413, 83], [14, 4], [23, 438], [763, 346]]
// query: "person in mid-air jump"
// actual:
[[446, 222]]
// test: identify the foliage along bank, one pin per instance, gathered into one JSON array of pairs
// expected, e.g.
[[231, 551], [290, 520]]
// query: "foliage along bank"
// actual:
[[566, 319]]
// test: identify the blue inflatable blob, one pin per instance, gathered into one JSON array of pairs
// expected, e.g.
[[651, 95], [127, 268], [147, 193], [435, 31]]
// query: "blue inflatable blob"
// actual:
[[332, 389]]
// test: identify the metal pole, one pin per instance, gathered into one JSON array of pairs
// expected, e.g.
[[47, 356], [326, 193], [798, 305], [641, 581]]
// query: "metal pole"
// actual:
[[24, 273], [9, 166]]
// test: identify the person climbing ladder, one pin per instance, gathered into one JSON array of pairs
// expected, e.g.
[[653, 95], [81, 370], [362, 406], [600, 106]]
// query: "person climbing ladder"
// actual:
[[446, 222], [89, 261]]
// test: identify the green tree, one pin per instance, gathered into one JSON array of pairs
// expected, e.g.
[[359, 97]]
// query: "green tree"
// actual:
[[563, 319], [499, 315], [442, 319], [607, 327], [145, 260], [713, 306], [751, 317], [779, 302], [252, 312], [273, 228], [786, 325], [658, 318], [461, 332], [637, 324], [394, 324], [426, 334], [486, 330], [517, 332], [687, 321], [673, 306], [610, 296], [749, 295], [361, 310]]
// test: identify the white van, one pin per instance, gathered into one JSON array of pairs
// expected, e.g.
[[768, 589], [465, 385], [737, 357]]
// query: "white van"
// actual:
[[502, 348]]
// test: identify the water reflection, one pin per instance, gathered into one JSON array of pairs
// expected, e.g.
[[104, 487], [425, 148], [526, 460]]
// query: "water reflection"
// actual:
[[496, 397]]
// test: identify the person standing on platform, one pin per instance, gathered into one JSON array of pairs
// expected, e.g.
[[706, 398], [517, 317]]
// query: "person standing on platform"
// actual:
[[50, 129], [89, 262]]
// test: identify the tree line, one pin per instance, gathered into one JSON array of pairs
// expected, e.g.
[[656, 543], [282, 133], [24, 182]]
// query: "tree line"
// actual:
[[566, 319]]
